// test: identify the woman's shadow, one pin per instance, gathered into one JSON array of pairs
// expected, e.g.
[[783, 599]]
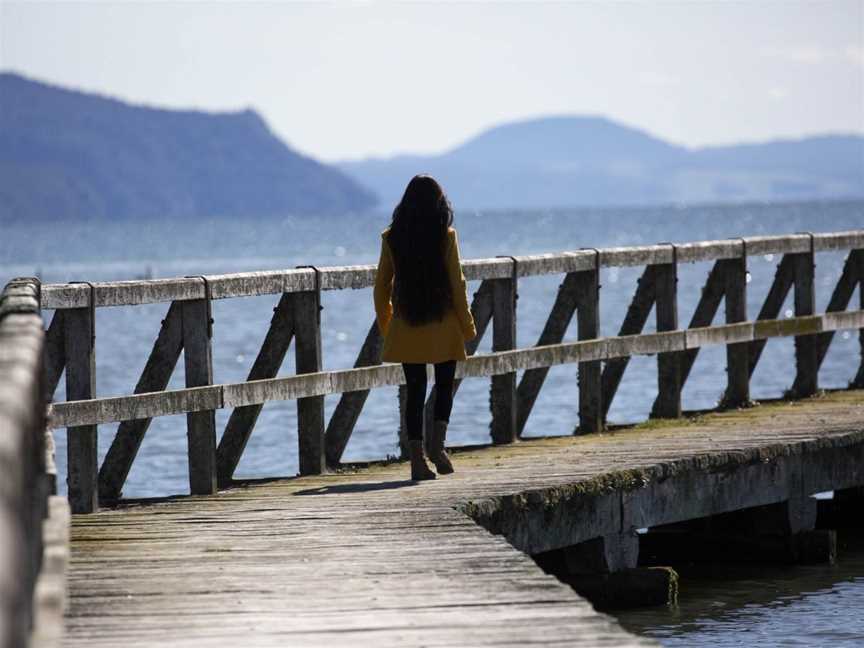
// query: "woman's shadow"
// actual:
[[360, 487]]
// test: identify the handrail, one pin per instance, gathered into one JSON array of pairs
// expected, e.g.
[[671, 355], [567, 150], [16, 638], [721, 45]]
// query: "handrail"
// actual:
[[271, 282], [198, 399], [25, 459], [602, 361]]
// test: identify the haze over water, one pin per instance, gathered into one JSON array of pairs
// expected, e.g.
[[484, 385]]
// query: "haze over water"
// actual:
[[757, 609]]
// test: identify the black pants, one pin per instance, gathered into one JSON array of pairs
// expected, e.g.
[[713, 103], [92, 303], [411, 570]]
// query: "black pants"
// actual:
[[415, 378]]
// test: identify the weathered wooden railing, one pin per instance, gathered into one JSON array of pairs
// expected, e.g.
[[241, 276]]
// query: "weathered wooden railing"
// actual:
[[601, 361], [30, 592]]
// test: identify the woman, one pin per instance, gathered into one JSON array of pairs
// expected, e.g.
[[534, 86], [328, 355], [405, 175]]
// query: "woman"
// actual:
[[421, 306]]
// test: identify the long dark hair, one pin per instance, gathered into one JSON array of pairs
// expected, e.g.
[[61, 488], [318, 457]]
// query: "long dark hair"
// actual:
[[418, 241]]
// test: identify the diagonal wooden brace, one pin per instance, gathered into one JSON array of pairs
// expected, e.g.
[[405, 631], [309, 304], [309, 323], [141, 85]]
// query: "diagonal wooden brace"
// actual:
[[553, 332], [783, 281], [706, 309], [851, 276], [344, 417], [634, 322], [55, 354], [267, 364], [155, 376]]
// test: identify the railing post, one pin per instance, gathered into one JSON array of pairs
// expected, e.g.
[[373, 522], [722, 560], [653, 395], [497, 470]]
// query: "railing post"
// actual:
[[307, 354], [858, 256], [504, 427], [806, 350], [668, 403], [200, 426], [737, 355], [79, 328], [590, 373]]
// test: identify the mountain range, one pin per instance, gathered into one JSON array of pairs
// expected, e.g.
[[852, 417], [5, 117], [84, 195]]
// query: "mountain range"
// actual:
[[66, 154], [568, 161]]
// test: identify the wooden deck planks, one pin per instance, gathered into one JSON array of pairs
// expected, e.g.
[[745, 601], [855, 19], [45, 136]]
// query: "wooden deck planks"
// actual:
[[370, 559]]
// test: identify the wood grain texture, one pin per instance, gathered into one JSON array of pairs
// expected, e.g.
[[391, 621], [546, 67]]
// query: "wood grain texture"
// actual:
[[737, 354], [81, 447], [668, 403], [267, 363], [347, 411], [558, 320], [200, 424], [858, 381], [154, 378], [307, 356], [271, 282], [784, 278], [502, 395], [122, 408], [851, 276], [55, 354], [23, 482], [368, 558], [806, 346], [634, 321], [706, 309], [590, 373]]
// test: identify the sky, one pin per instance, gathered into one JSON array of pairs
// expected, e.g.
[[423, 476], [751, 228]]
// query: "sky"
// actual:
[[347, 80]]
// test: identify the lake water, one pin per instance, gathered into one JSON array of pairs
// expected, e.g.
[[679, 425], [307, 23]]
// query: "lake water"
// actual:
[[107, 251], [727, 606]]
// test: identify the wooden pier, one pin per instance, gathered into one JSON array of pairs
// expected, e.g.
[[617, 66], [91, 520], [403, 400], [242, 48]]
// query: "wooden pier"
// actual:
[[338, 556], [369, 559]]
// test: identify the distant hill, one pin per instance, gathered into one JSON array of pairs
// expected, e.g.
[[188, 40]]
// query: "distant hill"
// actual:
[[67, 154], [578, 161]]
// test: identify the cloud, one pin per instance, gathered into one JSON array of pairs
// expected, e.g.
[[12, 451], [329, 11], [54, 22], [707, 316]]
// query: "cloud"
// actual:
[[855, 54], [659, 79], [815, 55]]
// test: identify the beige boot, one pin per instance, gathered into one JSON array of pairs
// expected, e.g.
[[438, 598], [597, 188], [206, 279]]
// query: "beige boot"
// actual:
[[419, 468], [437, 453]]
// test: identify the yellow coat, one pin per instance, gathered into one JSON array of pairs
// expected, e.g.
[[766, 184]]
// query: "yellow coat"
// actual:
[[433, 341]]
